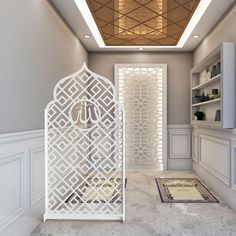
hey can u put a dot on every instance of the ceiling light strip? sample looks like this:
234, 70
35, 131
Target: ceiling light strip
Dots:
197, 15
85, 12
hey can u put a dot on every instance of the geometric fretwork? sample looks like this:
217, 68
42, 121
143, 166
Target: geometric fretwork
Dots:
141, 93
84, 149
142, 22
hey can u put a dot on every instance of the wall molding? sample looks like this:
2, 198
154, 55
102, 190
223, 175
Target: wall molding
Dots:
179, 147
25, 150
179, 141
180, 151
35, 197
217, 142
233, 165
195, 146
6, 160
20, 136
217, 161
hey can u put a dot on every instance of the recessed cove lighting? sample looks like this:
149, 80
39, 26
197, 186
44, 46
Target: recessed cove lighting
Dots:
195, 36
88, 17
87, 36
140, 49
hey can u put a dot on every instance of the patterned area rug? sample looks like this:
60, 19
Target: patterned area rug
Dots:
184, 190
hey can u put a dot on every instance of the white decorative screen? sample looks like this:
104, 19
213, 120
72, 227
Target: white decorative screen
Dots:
84, 150
141, 92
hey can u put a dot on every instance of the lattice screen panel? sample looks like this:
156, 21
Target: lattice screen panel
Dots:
84, 150
142, 22
141, 92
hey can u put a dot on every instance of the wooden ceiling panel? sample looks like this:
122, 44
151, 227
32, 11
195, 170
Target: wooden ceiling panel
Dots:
142, 22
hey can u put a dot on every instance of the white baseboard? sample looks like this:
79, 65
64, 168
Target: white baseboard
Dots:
21, 182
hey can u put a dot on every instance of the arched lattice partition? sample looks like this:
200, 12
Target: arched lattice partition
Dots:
84, 150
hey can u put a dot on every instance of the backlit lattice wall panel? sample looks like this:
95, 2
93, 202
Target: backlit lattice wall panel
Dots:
141, 93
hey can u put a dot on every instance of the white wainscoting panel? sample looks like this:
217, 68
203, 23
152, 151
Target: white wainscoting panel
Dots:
233, 165
214, 155
179, 146
12, 187
217, 160
37, 174
195, 147
21, 181
179, 141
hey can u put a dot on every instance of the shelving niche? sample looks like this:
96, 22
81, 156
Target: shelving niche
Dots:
216, 71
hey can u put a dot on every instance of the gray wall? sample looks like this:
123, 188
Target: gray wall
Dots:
179, 65
36, 50
222, 32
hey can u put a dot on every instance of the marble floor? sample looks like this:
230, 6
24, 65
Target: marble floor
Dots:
146, 215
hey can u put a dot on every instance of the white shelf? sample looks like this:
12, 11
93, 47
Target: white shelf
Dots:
225, 82
207, 83
208, 123
207, 102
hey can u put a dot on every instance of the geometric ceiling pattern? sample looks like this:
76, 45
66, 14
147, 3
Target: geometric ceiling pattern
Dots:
142, 22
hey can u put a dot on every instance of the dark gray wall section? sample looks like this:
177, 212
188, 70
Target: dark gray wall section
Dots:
179, 66
36, 50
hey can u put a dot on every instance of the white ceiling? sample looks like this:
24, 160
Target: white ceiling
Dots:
71, 14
